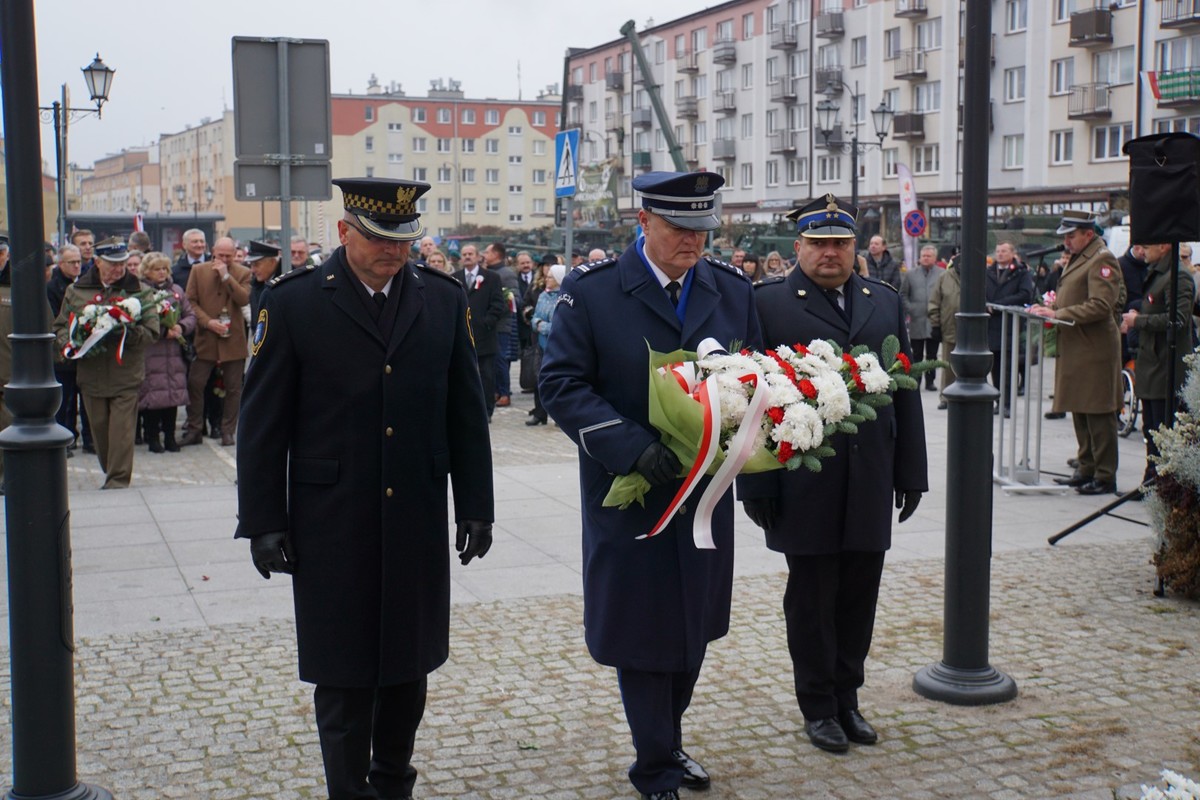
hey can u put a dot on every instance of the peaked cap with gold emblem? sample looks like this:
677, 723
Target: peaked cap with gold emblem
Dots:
825, 218
684, 199
384, 207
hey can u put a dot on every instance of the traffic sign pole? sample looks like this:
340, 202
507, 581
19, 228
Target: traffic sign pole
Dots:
566, 157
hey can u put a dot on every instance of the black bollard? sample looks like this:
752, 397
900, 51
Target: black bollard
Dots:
41, 633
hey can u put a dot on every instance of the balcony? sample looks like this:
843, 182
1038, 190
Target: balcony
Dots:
1179, 88
908, 126
641, 159
829, 80
1091, 27
724, 51
834, 143
724, 102
962, 51
783, 36
687, 107
613, 121
724, 149
911, 8
690, 151
614, 81
910, 65
1179, 13
641, 117
784, 89
574, 94
991, 116
831, 25
1090, 101
687, 62
783, 141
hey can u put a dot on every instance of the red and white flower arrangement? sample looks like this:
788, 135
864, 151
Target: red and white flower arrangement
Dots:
88, 327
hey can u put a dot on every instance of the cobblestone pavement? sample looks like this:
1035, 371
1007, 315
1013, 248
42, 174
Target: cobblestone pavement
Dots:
1107, 677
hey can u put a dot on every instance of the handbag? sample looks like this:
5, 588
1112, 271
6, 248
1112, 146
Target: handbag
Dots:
531, 364
1164, 187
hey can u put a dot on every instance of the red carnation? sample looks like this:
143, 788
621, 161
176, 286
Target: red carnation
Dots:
858, 381
785, 452
801, 349
906, 361
807, 389
776, 414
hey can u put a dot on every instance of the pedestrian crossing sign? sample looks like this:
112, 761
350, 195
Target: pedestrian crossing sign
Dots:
566, 156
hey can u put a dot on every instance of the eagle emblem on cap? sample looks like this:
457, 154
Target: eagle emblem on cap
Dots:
404, 198
701, 183
830, 203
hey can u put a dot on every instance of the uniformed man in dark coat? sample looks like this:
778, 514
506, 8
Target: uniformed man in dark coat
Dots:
361, 397
834, 526
651, 606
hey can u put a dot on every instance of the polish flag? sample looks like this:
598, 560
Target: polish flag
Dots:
1150, 83
139, 222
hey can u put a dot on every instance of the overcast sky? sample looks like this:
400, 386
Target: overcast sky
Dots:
173, 60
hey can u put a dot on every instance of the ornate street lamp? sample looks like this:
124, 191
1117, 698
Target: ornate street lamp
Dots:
828, 124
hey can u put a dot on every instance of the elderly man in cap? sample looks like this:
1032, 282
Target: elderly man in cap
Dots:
262, 258
651, 606
363, 395
110, 373
835, 526
1087, 375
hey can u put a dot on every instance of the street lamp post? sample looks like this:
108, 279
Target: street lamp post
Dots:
98, 76
828, 123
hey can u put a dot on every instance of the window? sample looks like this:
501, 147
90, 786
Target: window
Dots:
747, 176
890, 156
858, 51
1181, 52
1014, 84
539, 176
491, 175
491, 146
491, 117
798, 117
514, 188
747, 126
394, 127
418, 144
369, 144
467, 145
798, 64
592, 72
539, 147
1016, 15
418, 114
492, 205
660, 51
515, 130
929, 34
419, 174
423, 205
445, 145
468, 175
468, 205
747, 76
772, 120
539, 205
747, 26
1178, 124
395, 158
370, 172
1062, 75
468, 116
891, 99
443, 115
797, 171
444, 174
539, 119
444, 206
514, 218
929, 97
1107, 141
772, 71
926, 159
773, 172
1014, 151
1063, 9
1115, 67
829, 169
514, 159
369, 113
891, 44
1062, 147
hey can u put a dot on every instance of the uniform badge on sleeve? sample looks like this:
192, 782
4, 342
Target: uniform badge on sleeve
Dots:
1106, 272
260, 332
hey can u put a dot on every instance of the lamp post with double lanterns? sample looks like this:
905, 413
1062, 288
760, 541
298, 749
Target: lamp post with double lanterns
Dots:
828, 123
181, 194
99, 77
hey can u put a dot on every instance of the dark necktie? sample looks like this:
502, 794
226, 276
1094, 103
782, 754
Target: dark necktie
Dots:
673, 290
380, 300
835, 297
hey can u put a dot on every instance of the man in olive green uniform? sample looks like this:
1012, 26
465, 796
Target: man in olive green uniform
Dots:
1087, 377
109, 384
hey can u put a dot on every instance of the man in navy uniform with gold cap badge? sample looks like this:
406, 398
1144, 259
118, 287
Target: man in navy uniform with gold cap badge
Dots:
362, 397
651, 606
834, 526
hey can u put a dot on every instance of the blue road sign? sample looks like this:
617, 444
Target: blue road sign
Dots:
566, 157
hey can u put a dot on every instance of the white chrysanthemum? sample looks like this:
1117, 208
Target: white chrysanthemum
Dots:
88, 311
104, 323
812, 365
824, 350
833, 400
132, 306
873, 377
801, 427
733, 400
727, 362
781, 392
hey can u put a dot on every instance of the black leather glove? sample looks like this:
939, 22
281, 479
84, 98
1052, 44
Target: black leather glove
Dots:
658, 464
907, 501
473, 538
763, 512
936, 335
272, 552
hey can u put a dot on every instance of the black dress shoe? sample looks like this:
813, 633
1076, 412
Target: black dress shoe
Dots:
1097, 487
89, 448
857, 729
1073, 463
942, 406
827, 734
1076, 480
668, 795
535, 421
1054, 414
694, 775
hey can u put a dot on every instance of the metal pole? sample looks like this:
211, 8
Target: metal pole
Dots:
854, 169
41, 634
285, 150
58, 170
964, 676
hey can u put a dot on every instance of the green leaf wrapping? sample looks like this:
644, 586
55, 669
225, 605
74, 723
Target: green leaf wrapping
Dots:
889, 351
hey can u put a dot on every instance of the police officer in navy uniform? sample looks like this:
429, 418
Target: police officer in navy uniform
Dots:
834, 526
651, 606
361, 398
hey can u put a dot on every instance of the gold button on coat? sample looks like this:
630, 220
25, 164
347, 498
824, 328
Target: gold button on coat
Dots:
389, 431
389, 491
387, 370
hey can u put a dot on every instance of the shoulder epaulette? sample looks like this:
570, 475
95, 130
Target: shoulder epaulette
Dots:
770, 281
287, 276
592, 266
428, 270
716, 262
869, 279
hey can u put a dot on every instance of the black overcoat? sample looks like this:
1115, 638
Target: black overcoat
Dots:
650, 604
486, 301
346, 441
848, 504
1006, 287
